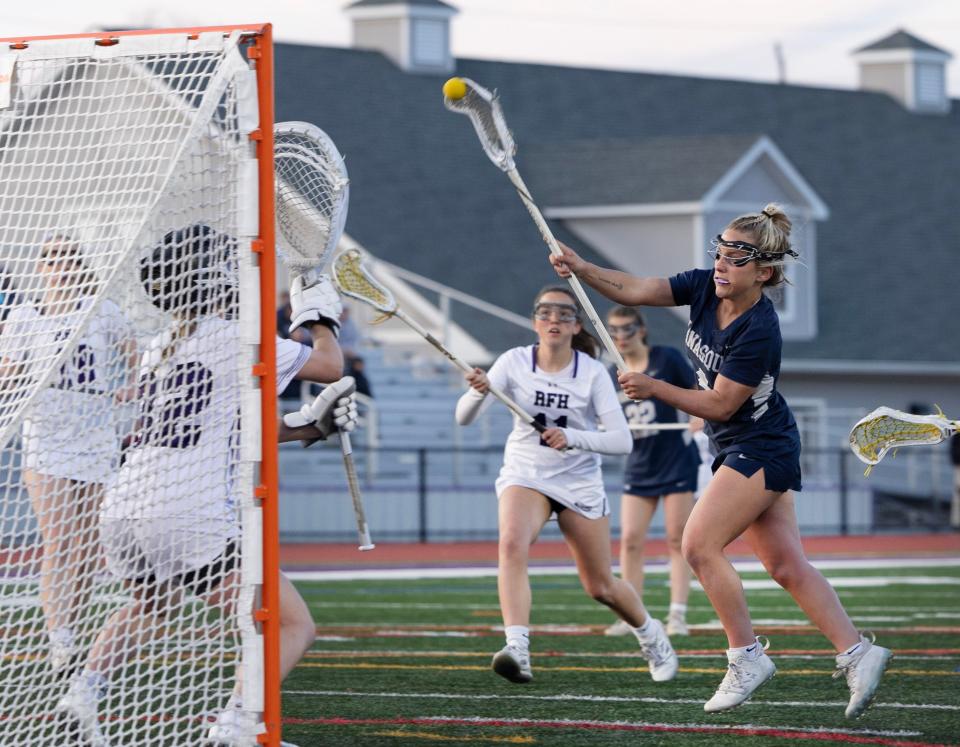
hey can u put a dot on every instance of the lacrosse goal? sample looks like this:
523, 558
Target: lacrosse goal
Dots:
137, 387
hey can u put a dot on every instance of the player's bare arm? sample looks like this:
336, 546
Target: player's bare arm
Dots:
325, 363
10, 371
128, 391
717, 404
617, 286
317, 307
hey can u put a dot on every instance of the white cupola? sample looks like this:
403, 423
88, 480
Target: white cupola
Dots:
415, 34
908, 69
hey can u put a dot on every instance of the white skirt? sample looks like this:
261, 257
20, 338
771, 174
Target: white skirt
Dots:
71, 435
162, 548
585, 496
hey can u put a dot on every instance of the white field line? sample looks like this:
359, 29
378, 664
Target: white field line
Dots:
423, 630
563, 697
758, 584
566, 570
718, 654
915, 614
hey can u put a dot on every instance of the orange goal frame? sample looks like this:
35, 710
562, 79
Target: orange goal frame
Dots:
259, 49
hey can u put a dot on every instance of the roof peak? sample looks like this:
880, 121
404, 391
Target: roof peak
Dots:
902, 39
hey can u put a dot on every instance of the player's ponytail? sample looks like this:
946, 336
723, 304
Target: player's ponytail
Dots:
771, 231
585, 343
582, 340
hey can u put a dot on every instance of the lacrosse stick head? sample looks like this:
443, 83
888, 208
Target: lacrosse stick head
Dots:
311, 191
885, 428
483, 109
353, 279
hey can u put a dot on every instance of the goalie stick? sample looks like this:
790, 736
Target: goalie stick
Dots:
311, 195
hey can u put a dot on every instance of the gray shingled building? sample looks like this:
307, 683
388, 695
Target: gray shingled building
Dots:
639, 171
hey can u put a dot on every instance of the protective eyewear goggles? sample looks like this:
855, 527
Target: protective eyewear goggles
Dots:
753, 252
562, 312
623, 330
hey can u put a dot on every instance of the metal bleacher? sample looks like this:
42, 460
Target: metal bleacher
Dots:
412, 459
424, 478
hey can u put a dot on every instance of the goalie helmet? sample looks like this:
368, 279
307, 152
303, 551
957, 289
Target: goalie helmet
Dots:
191, 271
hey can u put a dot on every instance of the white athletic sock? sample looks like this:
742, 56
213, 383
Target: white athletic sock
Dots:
518, 636
62, 637
853, 649
678, 609
646, 629
752, 652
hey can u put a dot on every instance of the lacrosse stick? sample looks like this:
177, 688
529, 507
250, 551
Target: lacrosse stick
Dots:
354, 484
311, 193
885, 428
353, 279
483, 109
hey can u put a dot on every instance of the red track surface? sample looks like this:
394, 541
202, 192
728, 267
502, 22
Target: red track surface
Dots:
402, 554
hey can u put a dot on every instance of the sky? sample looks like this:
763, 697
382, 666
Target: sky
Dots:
688, 37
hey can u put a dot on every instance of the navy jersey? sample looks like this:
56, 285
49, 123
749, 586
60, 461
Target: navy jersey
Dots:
747, 352
659, 459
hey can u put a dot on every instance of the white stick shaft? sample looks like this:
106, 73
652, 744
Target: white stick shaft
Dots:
354, 484
551, 242
466, 368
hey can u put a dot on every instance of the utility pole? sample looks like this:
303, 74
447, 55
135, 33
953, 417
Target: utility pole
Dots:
781, 63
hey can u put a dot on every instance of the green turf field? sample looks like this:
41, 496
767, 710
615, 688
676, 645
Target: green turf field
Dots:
407, 662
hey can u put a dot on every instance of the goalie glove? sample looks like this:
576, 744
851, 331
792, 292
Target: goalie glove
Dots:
314, 302
335, 408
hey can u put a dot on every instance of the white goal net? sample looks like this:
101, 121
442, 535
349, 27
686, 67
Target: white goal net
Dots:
130, 440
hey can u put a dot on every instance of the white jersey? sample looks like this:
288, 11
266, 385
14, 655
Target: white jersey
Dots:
577, 398
291, 357
173, 491
70, 429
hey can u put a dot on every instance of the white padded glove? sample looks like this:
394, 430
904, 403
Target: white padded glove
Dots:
335, 408
315, 302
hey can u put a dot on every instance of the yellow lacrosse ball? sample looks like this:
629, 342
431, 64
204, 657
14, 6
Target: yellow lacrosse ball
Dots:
455, 89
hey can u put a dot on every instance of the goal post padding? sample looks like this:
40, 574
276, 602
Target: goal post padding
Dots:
131, 420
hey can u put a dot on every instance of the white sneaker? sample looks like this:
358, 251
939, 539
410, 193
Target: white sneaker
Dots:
79, 704
677, 625
234, 726
744, 676
863, 670
656, 649
513, 663
620, 627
